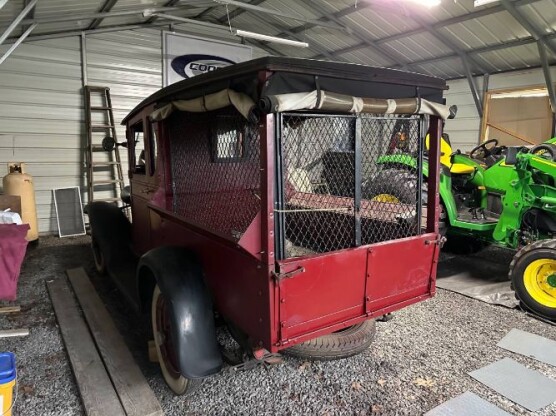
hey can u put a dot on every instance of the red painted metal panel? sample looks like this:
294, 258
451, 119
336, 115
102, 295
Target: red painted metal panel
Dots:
399, 270
237, 281
329, 290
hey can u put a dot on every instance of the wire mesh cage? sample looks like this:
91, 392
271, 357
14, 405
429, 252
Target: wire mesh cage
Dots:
341, 182
215, 170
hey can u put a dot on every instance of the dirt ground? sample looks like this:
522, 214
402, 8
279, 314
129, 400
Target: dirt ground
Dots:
420, 358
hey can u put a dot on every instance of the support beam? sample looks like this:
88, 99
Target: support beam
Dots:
547, 75
169, 3
106, 7
234, 13
89, 16
260, 9
438, 25
454, 20
386, 54
526, 24
262, 45
17, 21
491, 48
472, 85
486, 78
83, 44
17, 43
267, 21
30, 15
466, 59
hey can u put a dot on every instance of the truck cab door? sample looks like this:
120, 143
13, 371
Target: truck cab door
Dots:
142, 159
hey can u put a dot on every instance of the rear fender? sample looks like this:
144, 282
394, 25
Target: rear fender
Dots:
179, 276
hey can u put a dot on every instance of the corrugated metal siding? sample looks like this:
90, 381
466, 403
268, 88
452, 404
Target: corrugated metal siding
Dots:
40, 117
464, 130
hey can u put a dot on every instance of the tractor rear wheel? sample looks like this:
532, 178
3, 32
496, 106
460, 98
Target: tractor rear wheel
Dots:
400, 186
340, 344
533, 275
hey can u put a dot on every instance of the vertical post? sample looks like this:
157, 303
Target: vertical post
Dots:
279, 197
419, 188
84, 80
484, 98
357, 179
435, 131
267, 191
547, 75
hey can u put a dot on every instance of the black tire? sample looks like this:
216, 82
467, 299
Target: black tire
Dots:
341, 344
544, 249
402, 184
178, 383
98, 257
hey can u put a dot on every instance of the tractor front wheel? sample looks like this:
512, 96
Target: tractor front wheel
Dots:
533, 275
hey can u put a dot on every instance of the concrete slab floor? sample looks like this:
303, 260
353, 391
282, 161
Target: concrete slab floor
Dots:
420, 359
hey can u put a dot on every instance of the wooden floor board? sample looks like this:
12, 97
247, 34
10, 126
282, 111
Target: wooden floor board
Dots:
97, 393
135, 394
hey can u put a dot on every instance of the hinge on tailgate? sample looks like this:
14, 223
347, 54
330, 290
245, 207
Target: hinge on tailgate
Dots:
439, 241
281, 276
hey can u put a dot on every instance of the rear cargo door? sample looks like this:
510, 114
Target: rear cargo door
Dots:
400, 272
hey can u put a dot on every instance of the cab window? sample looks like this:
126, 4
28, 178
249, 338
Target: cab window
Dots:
137, 149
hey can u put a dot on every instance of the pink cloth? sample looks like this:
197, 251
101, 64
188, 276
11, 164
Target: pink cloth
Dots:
12, 251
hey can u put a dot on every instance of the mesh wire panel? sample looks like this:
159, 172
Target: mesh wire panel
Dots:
335, 191
215, 170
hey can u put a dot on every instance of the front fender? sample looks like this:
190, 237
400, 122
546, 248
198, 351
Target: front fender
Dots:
179, 276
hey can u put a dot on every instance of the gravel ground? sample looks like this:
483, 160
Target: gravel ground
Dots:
420, 359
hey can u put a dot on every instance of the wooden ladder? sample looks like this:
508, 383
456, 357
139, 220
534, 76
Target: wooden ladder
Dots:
94, 144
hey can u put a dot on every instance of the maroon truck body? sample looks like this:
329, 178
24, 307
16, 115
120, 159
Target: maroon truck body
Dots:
227, 211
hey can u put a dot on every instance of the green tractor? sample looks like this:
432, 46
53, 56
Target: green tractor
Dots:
498, 195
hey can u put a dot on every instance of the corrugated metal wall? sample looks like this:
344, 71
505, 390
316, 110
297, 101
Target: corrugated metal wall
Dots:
464, 129
42, 114
42, 120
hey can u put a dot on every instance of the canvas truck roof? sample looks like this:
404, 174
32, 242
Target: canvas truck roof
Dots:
294, 75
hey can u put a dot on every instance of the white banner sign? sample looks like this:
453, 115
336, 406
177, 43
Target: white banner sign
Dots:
187, 56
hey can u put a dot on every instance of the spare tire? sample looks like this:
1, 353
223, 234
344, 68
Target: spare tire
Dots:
340, 344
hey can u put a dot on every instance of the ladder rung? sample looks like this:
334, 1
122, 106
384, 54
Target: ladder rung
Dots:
101, 108
93, 88
104, 163
106, 182
101, 126
97, 148
107, 199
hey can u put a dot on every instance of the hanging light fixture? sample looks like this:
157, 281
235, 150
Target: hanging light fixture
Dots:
267, 38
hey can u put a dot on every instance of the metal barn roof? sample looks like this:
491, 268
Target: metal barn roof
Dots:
452, 40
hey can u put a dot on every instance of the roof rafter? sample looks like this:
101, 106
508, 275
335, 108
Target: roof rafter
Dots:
371, 44
438, 25
106, 7
526, 24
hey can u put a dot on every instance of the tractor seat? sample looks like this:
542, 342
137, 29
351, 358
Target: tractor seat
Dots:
446, 159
